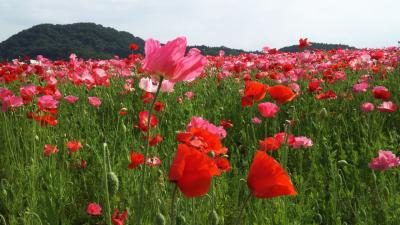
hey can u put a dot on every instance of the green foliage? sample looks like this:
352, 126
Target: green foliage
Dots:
332, 178
315, 46
87, 40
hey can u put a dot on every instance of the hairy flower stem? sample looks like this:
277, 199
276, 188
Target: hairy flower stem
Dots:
239, 219
106, 167
172, 213
146, 152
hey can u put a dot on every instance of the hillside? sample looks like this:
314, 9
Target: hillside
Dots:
87, 40
315, 46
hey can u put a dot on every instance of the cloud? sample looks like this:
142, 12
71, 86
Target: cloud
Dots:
247, 24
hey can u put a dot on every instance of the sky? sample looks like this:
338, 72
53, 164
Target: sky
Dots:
244, 24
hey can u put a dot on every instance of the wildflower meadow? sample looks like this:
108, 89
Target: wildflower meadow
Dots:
177, 137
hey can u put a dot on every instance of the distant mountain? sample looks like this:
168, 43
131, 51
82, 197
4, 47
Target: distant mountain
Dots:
315, 46
87, 40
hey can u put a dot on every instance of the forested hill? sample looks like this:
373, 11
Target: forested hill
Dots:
90, 40
315, 46
87, 40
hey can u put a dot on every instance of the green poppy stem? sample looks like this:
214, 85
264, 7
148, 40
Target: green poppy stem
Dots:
239, 219
173, 203
143, 174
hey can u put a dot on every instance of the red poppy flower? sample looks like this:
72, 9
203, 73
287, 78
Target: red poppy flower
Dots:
223, 164
123, 112
202, 140
313, 86
270, 144
327, 95
254, 91
119, 219
304, 43
159, 106
93, 209
134, 47
155, 140
147, 97
267, 178
280, 137
143, 120
192, 171
136, 160
74, 146
281, 93
49, 149
226, 124
381, 92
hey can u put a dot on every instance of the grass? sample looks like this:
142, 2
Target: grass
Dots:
332, 178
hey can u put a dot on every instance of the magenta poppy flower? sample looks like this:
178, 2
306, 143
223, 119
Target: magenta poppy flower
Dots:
94, 101
256, 120
302, 141
47, 102
268, 109
169, 60
367, 107
360, 87
71, 99
384, 161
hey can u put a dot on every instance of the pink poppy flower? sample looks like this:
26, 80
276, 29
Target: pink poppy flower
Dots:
153, 161
94, 209
367, 107
167, 86
189, 95
71, 99
47, 102
256, 120
387, 107
199, 122
295, 87
148, 85
11, 101
384, 161
94, 101
169, 60
302, 142
360, 87
268, 109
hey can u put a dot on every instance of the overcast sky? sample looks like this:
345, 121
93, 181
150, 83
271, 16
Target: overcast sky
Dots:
245, 24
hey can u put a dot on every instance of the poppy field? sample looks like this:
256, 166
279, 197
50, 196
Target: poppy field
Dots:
175, 137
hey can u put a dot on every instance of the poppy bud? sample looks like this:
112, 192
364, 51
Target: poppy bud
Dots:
213, 217
36, 138
323, 113
211, 154
181, 220
160, 219
124, 128
113, 183
320, 219
343, 162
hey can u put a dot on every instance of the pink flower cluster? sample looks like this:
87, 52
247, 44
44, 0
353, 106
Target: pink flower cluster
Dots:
199, 122
384, 161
